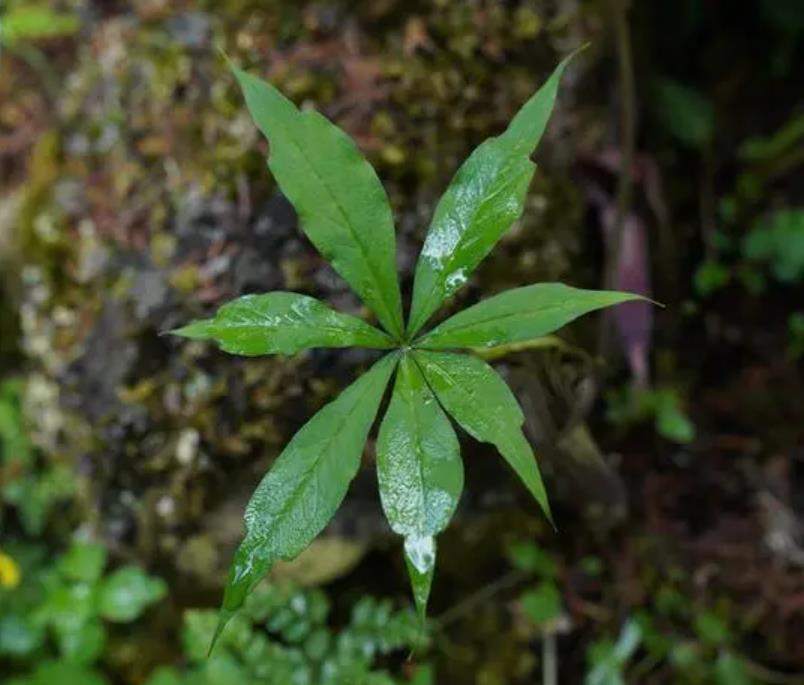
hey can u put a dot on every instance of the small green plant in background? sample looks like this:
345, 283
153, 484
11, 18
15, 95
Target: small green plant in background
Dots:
696, 639
663, 405
24, 22
57, 615
541, 602
608, 660
345, 212
778, 242
282, 636
702, 651
796, 325
671, 631
25, 26
685, 112
756, 242
28, 486
771, 250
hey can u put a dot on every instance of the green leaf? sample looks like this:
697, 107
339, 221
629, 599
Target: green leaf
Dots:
710, 277
306, 485
542, 605
35, 494
610, 660
341, 203
685, 112
731, 670
421, 581
480, 401
711, 628
420, 472
83, 561
35, 23
15, 446
199, 627
484, 198
84, 645
671, 421
68, 607
519, 314
165, 675
424, 675
65, 673
529, 557
282, 323
779, 240
20, 635
126, 593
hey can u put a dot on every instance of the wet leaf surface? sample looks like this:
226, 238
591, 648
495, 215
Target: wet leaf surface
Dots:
518, 315
306, 484
282, 323
342, 204
485, 197
481, 402
420, 472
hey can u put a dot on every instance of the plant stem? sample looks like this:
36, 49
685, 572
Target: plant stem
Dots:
549, 660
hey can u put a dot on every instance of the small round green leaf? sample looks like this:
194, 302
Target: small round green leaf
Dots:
83, 561
127, 592
19, 635
85, 644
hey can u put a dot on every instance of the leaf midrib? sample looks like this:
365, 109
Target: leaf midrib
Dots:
435, 333
419, 459
350, 227
451, 259
498, 442
308, 472
262, 328
470, 391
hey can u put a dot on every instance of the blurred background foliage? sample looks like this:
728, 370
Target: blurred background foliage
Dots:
134, 197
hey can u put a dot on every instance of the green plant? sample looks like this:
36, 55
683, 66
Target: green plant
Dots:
671, 631
345, 213
31, 22
662, 404
674, 631
541, 603
282, 636
772, 247
57, 617
778, 241
28, 485
703, 652
685, 112
608, 660
796, 326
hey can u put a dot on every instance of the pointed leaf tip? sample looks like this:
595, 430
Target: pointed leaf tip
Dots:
224, 617
282, 323
420, 554
194, 331
481, 203
465, 387
420, 473
343, 207
222, 52
306, 484
583, 47
520, 314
